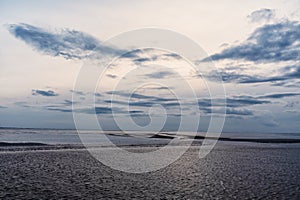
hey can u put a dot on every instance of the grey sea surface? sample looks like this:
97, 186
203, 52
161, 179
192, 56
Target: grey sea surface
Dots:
54, 137
232, 170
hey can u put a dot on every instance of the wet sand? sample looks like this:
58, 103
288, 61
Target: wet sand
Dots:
230, 171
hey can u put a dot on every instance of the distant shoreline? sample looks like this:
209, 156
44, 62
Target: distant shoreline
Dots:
162, 131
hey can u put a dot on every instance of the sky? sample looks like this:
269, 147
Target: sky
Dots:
249, 48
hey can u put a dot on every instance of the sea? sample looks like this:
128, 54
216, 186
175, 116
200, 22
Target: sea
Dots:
55, 136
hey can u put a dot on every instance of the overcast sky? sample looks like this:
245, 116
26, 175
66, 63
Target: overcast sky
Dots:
253, 45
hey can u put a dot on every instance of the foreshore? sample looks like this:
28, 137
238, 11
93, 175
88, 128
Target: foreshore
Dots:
231, 171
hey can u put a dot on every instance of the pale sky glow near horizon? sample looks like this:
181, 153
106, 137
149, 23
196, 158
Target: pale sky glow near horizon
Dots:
253, 45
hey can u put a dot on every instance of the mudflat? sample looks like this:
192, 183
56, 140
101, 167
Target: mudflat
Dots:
231, 171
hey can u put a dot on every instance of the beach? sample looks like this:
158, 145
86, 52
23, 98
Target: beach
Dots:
232, 170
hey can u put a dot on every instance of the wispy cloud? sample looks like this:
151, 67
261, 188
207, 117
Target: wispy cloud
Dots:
160, 74
96, 110
139, 96
229, 111
46, 93
279, 95
233, 102
287, 73
81, 93
263, 14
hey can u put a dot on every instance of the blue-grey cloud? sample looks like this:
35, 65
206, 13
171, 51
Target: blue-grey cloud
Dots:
152, 103
234, 106
2, 107
69, 102
72, 44
143, 103
269, 43
229, 111
173, 55
65, 110
111, 76
22, 104
233, 102
81, 93
99, 110
287, 74
97, 94
66, 43
278, 95
46, 93
263, 14
141, 60
160, 74
140, 96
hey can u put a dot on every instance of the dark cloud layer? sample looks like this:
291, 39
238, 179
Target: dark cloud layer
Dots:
269, 43
46, 93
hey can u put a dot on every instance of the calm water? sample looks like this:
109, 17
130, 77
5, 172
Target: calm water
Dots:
71, 136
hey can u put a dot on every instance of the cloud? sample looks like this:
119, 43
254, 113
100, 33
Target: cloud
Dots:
266, 118
97, 110
65, 110
69, 102
111, 76
66, 43
229, 111
72, 44
3, 107
263, 14
173, 55
160, 74
143, 103
22, 104
232, 102
141, 60
97, 94
78, 92
270, 123
242, 100
232, 111
139, 96
268, 43
279, 95
151, 103
159, 88
292, 71
287, 74
48, 93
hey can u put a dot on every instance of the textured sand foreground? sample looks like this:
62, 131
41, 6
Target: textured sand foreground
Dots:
230, 171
